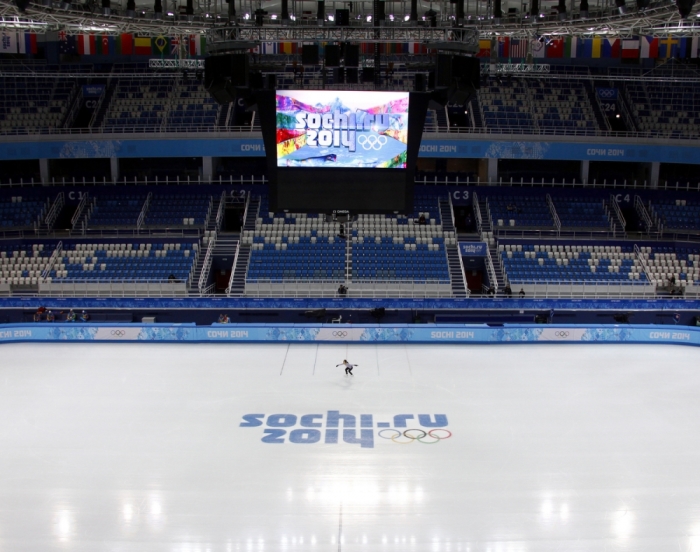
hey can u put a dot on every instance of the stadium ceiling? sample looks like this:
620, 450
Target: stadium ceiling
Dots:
660, 18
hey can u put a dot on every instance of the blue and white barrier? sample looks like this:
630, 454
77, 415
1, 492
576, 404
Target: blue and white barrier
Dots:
346, 333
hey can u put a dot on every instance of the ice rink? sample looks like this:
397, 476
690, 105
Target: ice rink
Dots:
503, 448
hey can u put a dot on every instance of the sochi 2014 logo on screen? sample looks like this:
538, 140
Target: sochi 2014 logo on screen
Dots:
342, 129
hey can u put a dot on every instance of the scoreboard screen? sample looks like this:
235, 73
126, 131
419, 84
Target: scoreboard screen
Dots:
341, 129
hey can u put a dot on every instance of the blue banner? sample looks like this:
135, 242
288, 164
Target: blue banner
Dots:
347, 333
93, 90
472, 249
606, 93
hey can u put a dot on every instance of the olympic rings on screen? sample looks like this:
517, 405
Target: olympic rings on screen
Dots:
371, 141
561, 334
118, 333
437, 437
340, 334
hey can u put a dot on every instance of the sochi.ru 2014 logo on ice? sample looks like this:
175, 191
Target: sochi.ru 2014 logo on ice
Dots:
333, 428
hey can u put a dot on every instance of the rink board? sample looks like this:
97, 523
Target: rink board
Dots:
352, 333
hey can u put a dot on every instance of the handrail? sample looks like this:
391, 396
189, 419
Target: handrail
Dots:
490, 269
447, 118
642, 212
79, 210
55, 209
233, 267
477, 211
206, 265
553, 211
452, 212
220, 212
642, 261
144, 210
52, 260
618, 212
245, 210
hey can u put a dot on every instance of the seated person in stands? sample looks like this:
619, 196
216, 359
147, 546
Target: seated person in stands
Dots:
507, 291
491, 291
341, 232
421, 220
84, 316
342, 290
50, 317
172, 278
70, 317
521, 292
511, 207
224, 319
37, 316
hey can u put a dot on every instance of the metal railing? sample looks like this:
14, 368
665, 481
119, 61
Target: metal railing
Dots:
329, 289
584, 289
642, 261
220, 211
477, 212
52, 261
553, 211
642, 213
233, 266
490, 270
618, 212
208, 258
144, 210
55, 210
79, 210
75, 287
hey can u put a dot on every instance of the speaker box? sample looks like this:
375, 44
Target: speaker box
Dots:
419, 82
271, 81
222, 74
338, 75
309, 54
342, 17
255, 79
368, 74
466, 71
352, 55
351, 75
332, 55
443, 71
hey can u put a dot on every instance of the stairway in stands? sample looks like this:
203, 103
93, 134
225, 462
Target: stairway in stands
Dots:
454, 261
237, 285
199, 261
487, 236
443, 125
212, 225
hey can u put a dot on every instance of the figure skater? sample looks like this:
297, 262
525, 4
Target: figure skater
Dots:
348, 367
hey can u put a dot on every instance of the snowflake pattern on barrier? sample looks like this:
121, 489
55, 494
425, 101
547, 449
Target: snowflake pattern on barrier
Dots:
164, 334
292, 334
73, 334
516, 334
517, 150
607, 334
90, 149
386, 334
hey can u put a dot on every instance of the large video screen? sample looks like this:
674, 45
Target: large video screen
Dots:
342, 129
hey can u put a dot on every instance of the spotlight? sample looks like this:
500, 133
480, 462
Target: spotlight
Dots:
407, 18
369, 19
331, 18
620, 6
684, 7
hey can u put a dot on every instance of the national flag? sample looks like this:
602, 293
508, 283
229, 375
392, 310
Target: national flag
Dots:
630, 48
584, 48
175, 46
571, 46
142, 46
8, 42
538, 48
161, 44
666, 46
66, 44
649, 47
682, 50
596, 48
503, 46
106, 45
86, 45
26, 42
126, 44
197, 45
694, 47
484, 48
269, 47
555, 48
611, 48
518, 47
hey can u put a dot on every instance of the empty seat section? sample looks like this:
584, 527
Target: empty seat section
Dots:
581, 213
522, 211
167, 210
23, 264
21, 212
679, 214
114, 211
679, 265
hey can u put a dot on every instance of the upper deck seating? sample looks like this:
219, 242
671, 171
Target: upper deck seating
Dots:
668, 109
581, 213
167, 210
678, 214
19, 212
116, 210
529, 211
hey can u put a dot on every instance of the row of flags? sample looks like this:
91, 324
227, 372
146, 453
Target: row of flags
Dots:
642, 47
91, 45
365, 48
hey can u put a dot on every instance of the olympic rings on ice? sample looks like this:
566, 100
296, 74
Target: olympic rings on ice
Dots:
371, 141
411, 436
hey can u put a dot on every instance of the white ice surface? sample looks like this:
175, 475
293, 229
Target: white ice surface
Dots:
555, 448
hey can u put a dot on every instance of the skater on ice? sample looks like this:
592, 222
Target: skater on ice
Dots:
348, 367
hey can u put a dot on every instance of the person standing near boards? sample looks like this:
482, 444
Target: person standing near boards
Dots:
348, 367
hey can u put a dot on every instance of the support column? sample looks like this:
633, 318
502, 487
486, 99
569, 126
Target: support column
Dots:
207, 168
44, 171
492, 170
114, 168
585, 166
654, 174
